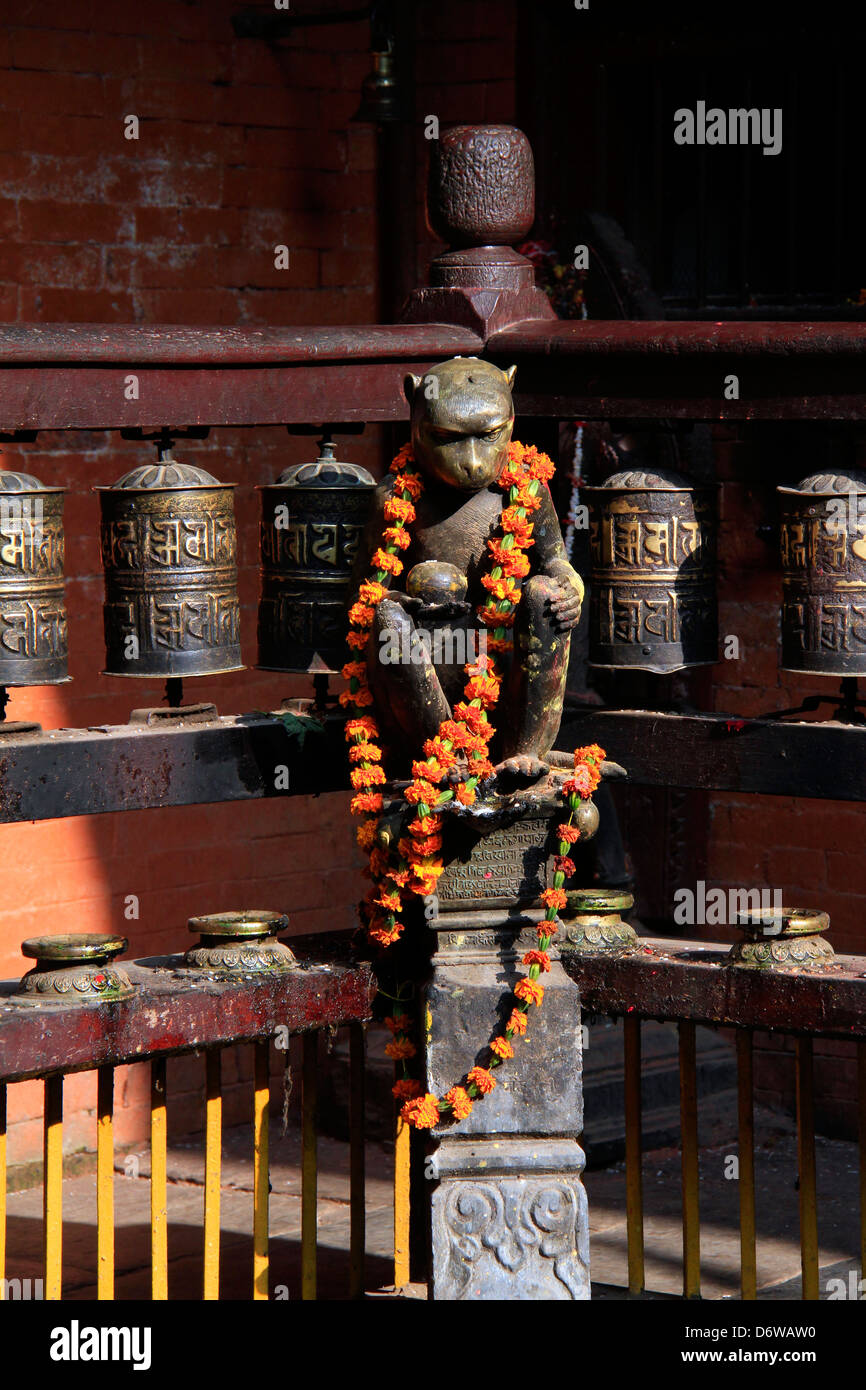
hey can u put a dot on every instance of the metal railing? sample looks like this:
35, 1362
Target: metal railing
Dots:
690, 984
169, 1018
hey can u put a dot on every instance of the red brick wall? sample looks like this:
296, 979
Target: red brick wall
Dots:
242, 146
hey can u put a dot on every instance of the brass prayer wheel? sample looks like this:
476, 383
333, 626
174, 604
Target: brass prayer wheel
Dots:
653, 572
33, 632
169, 551
823, 541
312, 519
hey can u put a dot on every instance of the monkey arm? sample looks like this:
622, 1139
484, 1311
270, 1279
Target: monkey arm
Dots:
550, 558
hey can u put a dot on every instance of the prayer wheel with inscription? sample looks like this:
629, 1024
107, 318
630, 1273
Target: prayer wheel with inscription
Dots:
653, 572
169, 552
823, 540
33, 634
312, 519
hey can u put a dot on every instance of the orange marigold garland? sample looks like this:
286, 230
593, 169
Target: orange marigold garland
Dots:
417, 865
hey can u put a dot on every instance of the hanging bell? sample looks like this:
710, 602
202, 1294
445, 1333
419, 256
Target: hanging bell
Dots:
33, 635
823, 542
312, 519
653, 572
169, 552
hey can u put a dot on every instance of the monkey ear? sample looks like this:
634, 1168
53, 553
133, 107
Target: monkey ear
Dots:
410, 386
509, 376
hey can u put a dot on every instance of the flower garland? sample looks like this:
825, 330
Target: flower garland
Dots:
417, 864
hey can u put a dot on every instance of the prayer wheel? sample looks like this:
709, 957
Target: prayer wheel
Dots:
823, 542
33, 634
169, 552
653, 572
312, 519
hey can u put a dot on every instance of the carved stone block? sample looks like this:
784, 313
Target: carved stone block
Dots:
510, 1221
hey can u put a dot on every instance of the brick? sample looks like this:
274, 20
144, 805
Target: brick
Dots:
204, 24
162, 185
797, 869
254, 267
76, 306
50, 93
348, 268
10, 131
358, 231
847, 871
211, 227
74, 267
307, 307
153, 97
158, 224
266, 106
97, 53
269, 226
189, 142
189, 306
293, 149
75, 14
64, 180
173, 59
44, 221
500, 102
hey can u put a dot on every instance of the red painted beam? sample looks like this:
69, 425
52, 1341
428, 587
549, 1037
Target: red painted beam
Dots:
77, 376
174, 1013
594, 369
673, 980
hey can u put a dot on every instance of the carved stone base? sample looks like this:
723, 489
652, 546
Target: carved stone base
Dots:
508, 1210
510, 1221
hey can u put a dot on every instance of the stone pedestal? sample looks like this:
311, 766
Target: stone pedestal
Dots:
508, 1209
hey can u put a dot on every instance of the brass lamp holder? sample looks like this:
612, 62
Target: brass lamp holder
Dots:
239, 944
74, 968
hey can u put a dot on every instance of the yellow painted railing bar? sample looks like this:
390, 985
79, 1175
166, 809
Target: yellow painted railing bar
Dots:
261, 1104
105, 1183
633, 1155
746, 1146
357, 1196
212, 1165
158, 1174
52, 1187
689, 1149
309, 1174
402, 1157
2, 1189
861, 1112
806, 1154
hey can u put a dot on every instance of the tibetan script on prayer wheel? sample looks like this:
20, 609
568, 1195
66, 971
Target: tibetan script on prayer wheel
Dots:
823, 544
33, 634
312, 520
653, 578
169, 556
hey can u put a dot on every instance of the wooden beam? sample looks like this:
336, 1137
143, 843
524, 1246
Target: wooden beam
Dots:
722, 753
674, 980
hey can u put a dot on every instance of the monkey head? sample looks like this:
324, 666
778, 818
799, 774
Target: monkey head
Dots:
462, 417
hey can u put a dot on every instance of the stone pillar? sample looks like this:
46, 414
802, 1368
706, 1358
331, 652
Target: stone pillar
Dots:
508, 1208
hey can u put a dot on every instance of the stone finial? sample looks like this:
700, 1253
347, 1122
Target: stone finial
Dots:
481, 186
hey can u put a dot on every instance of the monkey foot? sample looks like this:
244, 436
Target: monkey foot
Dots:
524, 767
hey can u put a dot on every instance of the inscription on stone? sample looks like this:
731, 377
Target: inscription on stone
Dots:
508, 864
